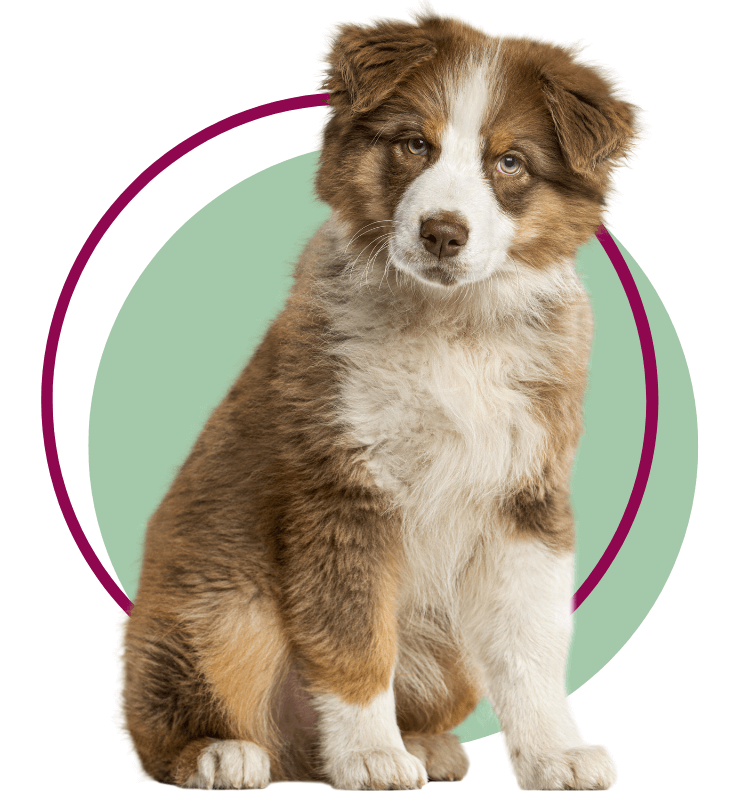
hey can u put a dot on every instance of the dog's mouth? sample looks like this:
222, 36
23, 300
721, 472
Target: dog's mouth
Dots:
445, 273
441, 272
441, 275
444, 254
426, 268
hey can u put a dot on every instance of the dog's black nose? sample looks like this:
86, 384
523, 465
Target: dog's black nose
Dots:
442, 237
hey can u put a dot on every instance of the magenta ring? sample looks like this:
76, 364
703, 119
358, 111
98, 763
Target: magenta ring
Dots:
177, 152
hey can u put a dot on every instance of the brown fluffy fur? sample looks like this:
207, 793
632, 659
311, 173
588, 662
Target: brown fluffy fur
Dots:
272, 569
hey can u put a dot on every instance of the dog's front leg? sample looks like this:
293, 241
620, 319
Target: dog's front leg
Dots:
341, 611
525, 648
362, 746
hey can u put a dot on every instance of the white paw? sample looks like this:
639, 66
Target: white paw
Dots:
584, 767
379, 768
231, 764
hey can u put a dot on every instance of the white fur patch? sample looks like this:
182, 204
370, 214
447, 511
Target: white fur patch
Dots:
456, 184
581, 768
447, 432
362, 745
231, 764
517, 614
517, 621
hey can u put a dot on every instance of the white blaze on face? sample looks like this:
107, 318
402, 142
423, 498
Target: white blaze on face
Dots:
456, 184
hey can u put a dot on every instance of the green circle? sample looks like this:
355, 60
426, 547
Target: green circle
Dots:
202, 305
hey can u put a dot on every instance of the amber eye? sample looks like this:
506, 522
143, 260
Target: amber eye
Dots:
509, 165
417, 146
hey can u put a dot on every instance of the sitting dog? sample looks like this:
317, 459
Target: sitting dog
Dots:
373, 530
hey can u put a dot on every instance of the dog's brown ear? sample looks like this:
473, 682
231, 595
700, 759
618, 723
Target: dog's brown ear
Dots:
592, 125
366, 63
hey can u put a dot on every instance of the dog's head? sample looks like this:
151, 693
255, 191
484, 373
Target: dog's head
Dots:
460, 155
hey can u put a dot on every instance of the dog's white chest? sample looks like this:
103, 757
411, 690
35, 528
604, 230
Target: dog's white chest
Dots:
446, 430
445, 424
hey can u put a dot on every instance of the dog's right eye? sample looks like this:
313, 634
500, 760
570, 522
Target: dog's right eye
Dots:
417, 146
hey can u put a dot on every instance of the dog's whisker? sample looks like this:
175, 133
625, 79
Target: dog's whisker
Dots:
381, 242
371, 244
376, 223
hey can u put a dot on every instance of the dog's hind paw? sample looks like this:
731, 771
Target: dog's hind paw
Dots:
229, 764
441, 754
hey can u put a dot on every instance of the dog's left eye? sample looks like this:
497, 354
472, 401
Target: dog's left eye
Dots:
417, 146
509, 165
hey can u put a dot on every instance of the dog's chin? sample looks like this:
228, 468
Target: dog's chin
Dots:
446, 274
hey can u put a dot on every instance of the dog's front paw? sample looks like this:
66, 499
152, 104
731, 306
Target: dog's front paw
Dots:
379, 768
584, 767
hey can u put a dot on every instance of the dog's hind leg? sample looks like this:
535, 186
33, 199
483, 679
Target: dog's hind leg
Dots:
200, 689
436, 688
441, 754
222, 764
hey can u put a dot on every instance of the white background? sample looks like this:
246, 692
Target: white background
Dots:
93, 93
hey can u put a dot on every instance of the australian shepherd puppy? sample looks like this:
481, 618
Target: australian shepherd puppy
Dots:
373, 530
